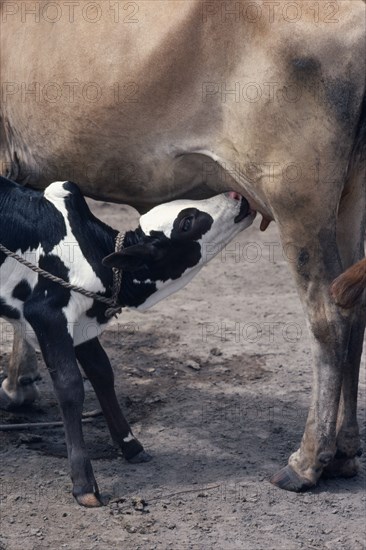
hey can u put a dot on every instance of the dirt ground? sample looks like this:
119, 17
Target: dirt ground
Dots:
216, 383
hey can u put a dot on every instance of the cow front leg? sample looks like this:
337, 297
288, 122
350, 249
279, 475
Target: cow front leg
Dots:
97, 367
315, 262
19, 387
58, 351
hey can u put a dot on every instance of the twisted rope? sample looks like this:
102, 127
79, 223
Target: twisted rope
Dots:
117, 279
86, 417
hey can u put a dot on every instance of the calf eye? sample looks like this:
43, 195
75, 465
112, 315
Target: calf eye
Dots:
186, 223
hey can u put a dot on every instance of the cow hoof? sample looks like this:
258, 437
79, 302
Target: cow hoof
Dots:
342, 467
89, 500
289, 480
142, 456
25, 395
6, 403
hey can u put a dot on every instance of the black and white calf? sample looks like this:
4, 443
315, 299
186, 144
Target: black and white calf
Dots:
56, 231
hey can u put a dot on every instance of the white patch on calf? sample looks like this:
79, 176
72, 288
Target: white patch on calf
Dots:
11, 273
128, 438
85, 328
162, 217
68, 250
166, 288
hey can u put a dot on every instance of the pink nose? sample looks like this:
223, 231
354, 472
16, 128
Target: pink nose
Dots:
235, 195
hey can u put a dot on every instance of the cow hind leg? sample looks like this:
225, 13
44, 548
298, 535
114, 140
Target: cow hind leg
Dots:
19, 387
351, 227
97, 367
345, 462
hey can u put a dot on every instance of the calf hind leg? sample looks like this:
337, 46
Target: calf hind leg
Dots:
97, 367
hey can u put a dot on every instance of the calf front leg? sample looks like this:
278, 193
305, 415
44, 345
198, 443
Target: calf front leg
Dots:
97, 367
58, 351
19, 387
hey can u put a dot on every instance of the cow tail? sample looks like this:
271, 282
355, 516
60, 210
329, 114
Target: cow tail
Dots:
348, 287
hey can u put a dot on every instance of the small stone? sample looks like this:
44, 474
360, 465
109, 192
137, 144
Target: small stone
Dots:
192, 364
154, 399
139, 504
216, 352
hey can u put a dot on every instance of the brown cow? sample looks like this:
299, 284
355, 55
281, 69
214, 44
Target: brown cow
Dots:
145, 102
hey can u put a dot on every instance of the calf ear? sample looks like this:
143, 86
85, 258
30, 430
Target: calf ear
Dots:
132, 258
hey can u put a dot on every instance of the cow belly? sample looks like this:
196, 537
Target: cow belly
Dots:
128, 134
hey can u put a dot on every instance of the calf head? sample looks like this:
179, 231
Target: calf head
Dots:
173, 242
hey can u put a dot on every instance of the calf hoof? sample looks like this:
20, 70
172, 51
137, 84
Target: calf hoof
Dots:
142, 456
89, 500
133, 451
289, 480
